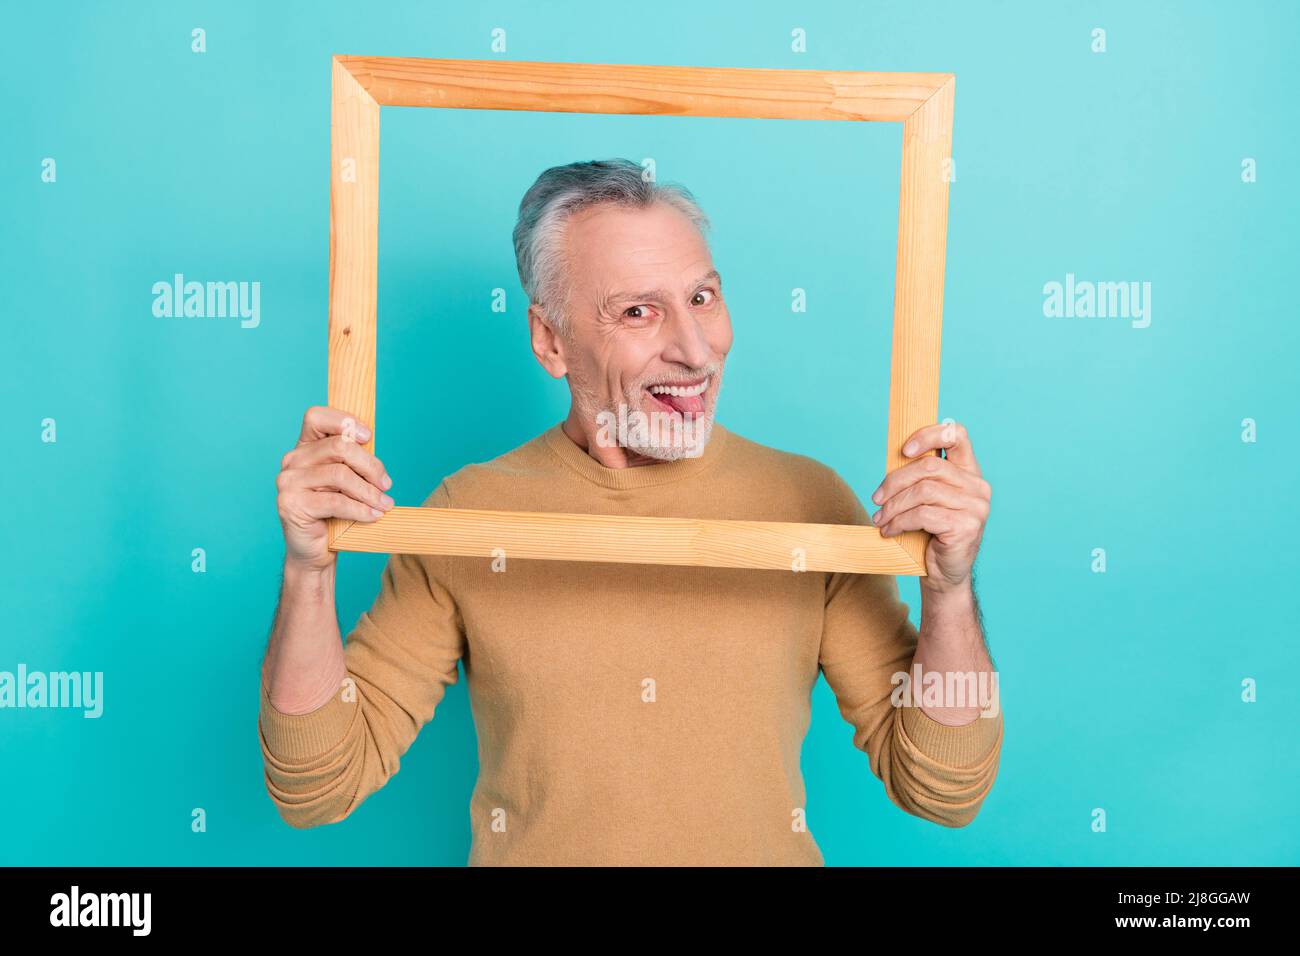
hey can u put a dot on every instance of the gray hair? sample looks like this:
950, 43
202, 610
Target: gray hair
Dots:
558, 194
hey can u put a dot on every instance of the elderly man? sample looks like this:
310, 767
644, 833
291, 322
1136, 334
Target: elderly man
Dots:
629, 714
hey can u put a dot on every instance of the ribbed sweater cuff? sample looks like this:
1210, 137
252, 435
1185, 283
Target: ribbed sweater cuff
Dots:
302, 736
963, 746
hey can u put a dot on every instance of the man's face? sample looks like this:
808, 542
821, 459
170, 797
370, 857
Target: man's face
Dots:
648, 329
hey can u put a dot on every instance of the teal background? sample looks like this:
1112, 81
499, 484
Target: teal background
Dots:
1121, 690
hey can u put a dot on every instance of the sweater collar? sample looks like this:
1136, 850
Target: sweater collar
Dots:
637, 476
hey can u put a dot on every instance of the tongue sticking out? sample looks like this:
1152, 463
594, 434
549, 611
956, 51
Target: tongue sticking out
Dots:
685, 404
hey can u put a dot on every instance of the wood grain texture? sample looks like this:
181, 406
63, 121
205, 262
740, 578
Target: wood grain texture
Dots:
641, 90
354, 254
630, 539
923, 102
918, 283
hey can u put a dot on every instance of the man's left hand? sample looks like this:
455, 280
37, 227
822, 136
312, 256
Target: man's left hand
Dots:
945, 496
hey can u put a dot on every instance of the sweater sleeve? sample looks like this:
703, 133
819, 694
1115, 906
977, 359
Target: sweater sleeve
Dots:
401, 657
931, 770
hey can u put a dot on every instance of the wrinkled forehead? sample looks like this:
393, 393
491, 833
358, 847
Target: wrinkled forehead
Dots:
627, 252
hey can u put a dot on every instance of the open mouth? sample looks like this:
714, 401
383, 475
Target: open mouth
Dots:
684, 398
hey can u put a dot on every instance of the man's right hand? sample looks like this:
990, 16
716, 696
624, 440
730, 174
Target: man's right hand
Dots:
327, 475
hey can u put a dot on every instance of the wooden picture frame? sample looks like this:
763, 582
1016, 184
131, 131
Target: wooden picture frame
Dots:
922, 102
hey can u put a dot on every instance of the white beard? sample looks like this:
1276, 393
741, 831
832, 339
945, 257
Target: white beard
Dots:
665, 436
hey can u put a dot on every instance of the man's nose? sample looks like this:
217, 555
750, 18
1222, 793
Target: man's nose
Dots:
687, 343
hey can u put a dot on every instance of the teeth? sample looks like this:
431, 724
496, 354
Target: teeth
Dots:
679, 390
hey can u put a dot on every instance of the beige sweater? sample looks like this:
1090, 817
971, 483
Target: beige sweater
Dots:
632, 714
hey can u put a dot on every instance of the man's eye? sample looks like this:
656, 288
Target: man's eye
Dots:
708, 292
635, 308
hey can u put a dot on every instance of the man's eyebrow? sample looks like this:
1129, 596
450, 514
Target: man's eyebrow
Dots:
659, 294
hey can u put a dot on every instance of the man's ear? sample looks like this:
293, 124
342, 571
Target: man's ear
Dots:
547, 345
